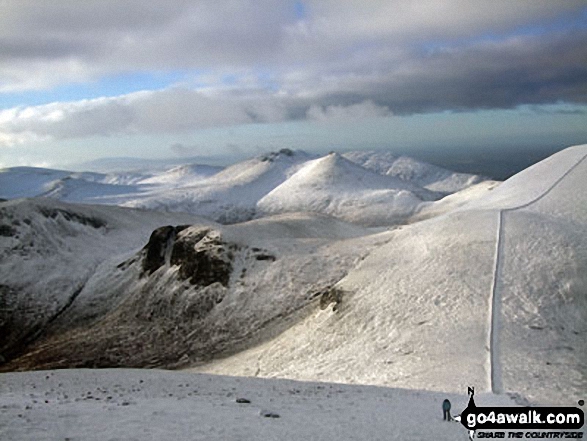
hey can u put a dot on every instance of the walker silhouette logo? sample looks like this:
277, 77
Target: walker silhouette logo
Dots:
521, 418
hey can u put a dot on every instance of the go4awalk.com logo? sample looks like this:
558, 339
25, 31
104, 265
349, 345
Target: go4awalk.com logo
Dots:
521, 422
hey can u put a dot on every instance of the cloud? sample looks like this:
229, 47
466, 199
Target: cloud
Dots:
101, 37
564, 109
338, 60
488, 74
423, 20
352, 112
166, 111
46, 43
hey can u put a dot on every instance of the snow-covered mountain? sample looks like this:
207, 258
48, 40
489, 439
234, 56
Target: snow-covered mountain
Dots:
425, 175
340, 188
24, 182
372, 190
230, 195
71, 189
48, 252
86, 187
489, 294
196, 288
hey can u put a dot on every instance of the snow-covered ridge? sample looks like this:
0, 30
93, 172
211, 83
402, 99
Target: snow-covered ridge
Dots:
425, 175
231, 195
373, 189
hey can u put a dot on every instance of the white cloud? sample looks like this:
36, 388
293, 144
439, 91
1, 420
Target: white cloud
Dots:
147, 112
21, 75
165, 111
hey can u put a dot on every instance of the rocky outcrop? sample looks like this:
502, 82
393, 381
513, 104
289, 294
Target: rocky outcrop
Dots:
203, 258
156, 249
200, 254
54, 213
329, 296
270, 157
7, 231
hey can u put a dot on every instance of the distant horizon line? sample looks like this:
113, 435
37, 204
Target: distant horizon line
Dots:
482, 161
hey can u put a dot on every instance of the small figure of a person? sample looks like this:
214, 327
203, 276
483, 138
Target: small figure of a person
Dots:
446, 410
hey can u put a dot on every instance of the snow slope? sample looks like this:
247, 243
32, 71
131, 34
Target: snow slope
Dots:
453, 201
183, 175
21, 182
49, 250
540, 278
425, 175
154, 405
338, 187
26, 182
491, 295
413, 314
231, 195
192, 292
70, 189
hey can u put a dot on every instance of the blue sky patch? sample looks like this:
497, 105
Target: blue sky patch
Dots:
113, 85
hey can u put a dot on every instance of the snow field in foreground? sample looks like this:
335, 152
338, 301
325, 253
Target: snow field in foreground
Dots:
111, 404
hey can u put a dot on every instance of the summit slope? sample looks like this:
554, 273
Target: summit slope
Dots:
335, 186
420, 173
230, 195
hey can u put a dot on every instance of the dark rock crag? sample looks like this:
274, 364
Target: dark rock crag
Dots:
200, 254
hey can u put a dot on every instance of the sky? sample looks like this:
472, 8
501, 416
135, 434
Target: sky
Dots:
84, 80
